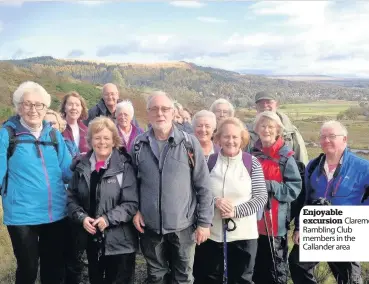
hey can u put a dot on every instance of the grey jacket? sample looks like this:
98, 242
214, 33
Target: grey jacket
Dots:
291, 136
172, 197
116, 196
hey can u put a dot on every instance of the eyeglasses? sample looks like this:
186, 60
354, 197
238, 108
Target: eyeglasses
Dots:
330, 136
29, 106
221, 111
157, 109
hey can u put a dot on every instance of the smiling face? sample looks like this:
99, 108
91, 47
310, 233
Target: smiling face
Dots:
161, 113
124, 118
110, 95
266, 104
32, 109
332, 140
267, 129
102, 144
230, 139
203, 129
222, 111
73, 108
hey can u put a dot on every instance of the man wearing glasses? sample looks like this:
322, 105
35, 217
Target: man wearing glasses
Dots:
175, 201
336, 177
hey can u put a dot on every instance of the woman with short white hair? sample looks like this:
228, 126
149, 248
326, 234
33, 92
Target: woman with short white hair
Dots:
126, 129
222, 109
32, 175
204, 123
284, 185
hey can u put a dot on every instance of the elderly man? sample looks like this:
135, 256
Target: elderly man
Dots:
107, 104
268, 101
176, 205
222, 109
330, 180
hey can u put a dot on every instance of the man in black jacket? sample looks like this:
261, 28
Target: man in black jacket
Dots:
107, 104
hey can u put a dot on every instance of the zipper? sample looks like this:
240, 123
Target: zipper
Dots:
225, 174
160, 190
47, 182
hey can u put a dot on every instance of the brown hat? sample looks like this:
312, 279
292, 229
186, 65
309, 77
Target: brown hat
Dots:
265, 96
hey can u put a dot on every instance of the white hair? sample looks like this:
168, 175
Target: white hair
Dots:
32, 88
222, 101
269, 115
155, 94
127, 105
178, 106
334, 124
205, 113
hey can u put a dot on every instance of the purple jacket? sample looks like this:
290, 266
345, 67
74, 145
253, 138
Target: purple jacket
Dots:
68, 135
135, 132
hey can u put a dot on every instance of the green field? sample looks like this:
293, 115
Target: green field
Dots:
315, 109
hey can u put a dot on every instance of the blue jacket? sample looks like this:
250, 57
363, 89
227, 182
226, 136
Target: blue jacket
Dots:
347, 188
35, 193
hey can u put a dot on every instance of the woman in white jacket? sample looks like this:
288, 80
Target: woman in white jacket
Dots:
239, 190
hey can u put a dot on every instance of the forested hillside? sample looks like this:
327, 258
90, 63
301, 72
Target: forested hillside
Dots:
189, 83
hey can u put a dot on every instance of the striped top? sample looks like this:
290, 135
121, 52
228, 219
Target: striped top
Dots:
259, 192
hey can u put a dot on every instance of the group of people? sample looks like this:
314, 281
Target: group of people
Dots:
205, 198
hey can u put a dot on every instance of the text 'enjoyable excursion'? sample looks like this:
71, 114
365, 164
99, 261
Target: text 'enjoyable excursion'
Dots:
334, 233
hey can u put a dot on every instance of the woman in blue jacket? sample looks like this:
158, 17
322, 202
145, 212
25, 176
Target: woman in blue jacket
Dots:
34, 166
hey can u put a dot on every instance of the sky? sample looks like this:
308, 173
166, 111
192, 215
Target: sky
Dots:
264, 37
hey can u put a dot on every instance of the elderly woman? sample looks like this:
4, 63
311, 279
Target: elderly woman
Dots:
222, 109
284, 184
59, 124
34, 165
74, 111
239, 190
204, 124
187, 115
102, 199
126, 129
336, 177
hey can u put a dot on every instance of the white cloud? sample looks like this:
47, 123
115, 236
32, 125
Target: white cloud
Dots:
187, 4
211, 20
1, 27
92, 3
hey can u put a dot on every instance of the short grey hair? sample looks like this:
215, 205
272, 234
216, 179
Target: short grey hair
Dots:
222, 101
157, 94
125, 104
33, 88
205, 113
334, 124
269, 115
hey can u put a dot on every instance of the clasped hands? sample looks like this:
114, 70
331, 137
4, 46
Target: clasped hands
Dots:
227, 210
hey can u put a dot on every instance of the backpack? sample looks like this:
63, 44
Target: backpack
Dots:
14, 141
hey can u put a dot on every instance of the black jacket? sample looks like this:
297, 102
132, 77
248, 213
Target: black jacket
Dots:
101, 110
116, 200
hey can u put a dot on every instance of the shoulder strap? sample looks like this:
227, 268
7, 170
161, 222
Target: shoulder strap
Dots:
212, 161
54, 141
12, 141
314, 164
189, 149
247, 161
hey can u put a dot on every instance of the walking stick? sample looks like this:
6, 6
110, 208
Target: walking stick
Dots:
226, 228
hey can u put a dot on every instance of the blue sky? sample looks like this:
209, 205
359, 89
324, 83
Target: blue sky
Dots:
281, 37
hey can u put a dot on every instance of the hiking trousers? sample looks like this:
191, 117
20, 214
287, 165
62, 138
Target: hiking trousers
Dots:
102, 269
264, 266
209, 262
302, 272
169, 257
34, 243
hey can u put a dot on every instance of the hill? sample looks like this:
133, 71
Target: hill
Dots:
11, 76
190, 83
